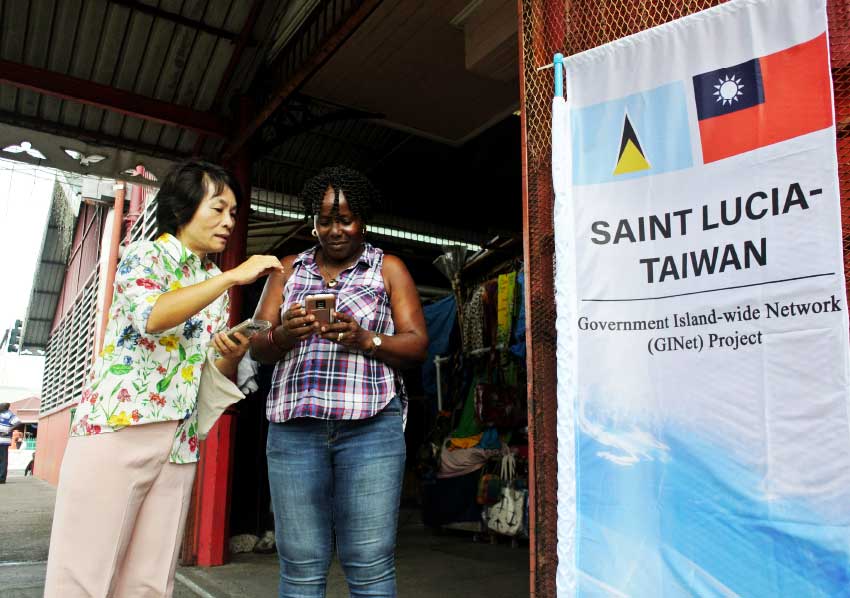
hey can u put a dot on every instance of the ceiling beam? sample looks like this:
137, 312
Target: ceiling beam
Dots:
177, 18
285, 88
110, 98
276, 133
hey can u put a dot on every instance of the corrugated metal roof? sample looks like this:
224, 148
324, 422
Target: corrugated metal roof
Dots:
50, 271
27, 409
111, 43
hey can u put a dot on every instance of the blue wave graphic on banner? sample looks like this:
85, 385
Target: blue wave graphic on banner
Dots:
694, 522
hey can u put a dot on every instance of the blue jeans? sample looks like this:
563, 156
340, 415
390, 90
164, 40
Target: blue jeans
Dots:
337, 479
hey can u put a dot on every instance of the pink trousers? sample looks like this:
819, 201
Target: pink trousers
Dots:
119, 517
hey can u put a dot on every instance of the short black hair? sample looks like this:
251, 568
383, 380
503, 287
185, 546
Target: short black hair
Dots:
184, 187
4, 407
361, 195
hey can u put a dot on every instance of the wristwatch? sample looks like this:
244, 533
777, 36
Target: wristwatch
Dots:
376, 344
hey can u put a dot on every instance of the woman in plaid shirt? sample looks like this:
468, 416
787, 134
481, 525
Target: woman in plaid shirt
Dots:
337, 403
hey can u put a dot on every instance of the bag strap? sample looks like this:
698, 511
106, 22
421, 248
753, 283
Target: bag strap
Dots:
508, 467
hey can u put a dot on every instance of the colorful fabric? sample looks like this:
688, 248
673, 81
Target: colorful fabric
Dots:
490, 439
518, 348
473, 321
322, 379
8, 420
491, 312
468, 424
440, 318
457, 462
140, 377
506, 303
465, 443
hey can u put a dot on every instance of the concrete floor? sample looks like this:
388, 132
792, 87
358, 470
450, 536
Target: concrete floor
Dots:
429, 565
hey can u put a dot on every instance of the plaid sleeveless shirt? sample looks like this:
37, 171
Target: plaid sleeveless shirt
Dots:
321, 379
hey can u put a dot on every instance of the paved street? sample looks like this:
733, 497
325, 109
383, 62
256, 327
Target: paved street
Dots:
26, 514
429, 566
26, 508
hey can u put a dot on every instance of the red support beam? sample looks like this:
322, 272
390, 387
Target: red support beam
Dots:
110, 98
328, 47
215, 471
120, 189
211, 518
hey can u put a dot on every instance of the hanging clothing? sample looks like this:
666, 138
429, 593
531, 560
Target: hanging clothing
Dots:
440, 318
491, 312
473, 321
506, 304
468, 425
518, 346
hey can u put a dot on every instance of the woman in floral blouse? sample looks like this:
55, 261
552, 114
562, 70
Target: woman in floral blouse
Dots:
129, 465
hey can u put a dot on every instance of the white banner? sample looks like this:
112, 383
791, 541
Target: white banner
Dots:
704, 439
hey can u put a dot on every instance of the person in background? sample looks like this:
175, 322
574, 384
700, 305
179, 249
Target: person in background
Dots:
336, 439
8, 422
128, 469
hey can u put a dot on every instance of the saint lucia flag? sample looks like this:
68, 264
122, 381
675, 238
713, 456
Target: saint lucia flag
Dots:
642, 134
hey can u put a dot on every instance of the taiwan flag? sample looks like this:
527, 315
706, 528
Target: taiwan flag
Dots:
764, 101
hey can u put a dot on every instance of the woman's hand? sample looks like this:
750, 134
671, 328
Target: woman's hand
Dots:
253, 268
297, 325
231, 352
347, 332
228, 349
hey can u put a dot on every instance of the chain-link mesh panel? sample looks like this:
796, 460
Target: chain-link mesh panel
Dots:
838, 12
569, 27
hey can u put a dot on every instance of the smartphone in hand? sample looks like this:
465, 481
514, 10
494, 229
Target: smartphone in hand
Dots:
249, 328
322, 307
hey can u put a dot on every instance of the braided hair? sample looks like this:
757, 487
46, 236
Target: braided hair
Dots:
361, 195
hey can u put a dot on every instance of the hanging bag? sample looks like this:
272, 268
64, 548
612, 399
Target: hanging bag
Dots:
506, 516
496, 403
489, 485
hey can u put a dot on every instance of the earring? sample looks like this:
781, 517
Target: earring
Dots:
315, 233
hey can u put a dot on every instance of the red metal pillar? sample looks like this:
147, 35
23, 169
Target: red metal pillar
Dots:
215, 471
137, 205
541, 31
111, 263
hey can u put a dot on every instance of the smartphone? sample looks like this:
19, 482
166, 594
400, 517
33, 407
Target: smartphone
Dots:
321, 306
249, 328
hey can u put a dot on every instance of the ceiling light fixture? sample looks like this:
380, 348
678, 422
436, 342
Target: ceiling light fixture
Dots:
25, 147
82, 158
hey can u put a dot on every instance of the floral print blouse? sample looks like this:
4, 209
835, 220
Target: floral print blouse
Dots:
142, 378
